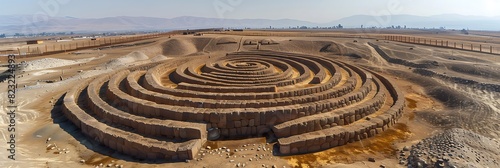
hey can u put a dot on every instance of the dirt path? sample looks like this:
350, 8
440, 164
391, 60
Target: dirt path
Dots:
377, 60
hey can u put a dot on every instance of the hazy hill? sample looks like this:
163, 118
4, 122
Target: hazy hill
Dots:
14, 24
25, 24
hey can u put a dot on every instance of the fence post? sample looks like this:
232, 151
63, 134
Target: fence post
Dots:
19, 51
471, 47
462, 46
480, 48
454, 44
27, 52
491, 49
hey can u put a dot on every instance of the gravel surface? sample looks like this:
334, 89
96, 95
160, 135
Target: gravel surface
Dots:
453, 148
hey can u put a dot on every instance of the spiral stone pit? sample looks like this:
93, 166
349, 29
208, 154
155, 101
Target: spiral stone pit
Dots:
309, 103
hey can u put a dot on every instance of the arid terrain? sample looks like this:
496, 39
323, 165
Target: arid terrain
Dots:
450, 116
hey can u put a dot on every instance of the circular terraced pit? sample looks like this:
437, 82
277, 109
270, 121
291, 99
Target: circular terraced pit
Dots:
309, 103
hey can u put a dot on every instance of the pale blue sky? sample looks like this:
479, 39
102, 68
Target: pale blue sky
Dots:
319, 11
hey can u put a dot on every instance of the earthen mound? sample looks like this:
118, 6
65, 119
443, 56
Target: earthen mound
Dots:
178, 47
226, 40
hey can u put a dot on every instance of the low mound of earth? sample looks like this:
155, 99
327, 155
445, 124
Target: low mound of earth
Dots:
178, 47
226, 40
130, 58
454, 148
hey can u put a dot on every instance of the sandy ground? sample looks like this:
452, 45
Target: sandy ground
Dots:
444, 89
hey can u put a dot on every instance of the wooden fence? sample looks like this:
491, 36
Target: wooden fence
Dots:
483, 48
68, 46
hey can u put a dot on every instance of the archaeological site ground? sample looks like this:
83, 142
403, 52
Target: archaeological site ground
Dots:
259, 98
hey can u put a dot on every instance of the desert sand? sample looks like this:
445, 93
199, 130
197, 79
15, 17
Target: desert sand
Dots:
450, 115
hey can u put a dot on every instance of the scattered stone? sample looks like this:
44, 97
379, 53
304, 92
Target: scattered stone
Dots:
406, 148
371, 159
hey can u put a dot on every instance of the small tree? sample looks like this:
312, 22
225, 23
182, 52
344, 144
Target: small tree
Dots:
2, 36
465, 31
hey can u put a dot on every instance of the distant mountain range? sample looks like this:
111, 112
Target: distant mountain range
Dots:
36, 24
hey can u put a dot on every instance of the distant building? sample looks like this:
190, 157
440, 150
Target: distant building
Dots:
34, 42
